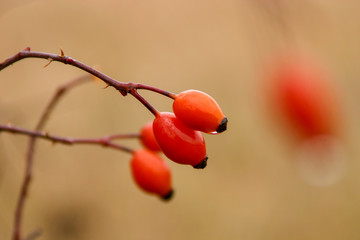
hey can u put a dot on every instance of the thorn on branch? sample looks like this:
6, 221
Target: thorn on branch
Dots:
50, 61
107, 85
62, 53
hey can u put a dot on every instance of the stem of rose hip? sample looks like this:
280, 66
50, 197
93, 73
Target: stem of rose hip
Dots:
144, 102
154, 89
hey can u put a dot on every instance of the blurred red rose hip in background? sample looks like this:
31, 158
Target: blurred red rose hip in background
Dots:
304, 97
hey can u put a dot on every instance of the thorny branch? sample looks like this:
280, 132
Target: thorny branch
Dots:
102, 141
124, 88
30, 153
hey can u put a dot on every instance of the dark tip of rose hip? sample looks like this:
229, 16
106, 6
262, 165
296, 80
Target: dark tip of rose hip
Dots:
168, 196
222, 125
202, 164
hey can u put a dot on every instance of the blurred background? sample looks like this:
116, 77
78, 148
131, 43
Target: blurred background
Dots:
251, 188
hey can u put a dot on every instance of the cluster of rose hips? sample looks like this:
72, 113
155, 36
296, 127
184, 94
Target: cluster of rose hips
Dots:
179, 136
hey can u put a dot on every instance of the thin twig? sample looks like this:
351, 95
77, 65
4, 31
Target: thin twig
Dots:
58, 94
144, 102
122, 136
102, 141
30, 152
154, 89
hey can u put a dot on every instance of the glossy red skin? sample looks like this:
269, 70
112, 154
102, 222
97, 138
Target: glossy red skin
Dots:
178, 142
151, 173
305, 98
198, 111
148, 139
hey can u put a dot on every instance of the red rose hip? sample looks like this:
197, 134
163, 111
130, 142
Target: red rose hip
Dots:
304, 97
151, 173
178, 142
147, 137
199, 111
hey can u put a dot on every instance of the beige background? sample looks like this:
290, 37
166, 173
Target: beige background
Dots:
250, 189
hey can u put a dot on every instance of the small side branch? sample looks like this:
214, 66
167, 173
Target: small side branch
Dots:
29, 161
154, 89
144, 102
101, 141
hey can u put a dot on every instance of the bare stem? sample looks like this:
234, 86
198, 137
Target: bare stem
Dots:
30, 153
58, 94
157, 90
144, 102
101, 141
122, 136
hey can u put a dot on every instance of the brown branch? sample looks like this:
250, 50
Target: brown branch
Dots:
102, 141
124, 88
135, 93
154, 89
122, 136
105, 141
58, 94
30, 153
